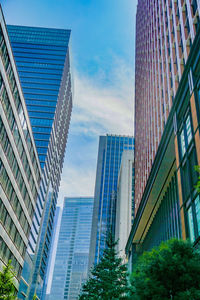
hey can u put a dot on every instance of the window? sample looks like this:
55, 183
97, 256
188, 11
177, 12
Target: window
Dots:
194, 6
193, 214
191, 224
185, 135
13, 231
188, 158
197, 211
188, 130
11, 120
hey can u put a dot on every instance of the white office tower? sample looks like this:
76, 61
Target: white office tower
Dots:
125, 201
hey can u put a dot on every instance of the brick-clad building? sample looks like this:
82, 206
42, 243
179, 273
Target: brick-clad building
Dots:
167, 116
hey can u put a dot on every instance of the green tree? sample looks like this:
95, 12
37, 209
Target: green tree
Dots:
108, 280
7, 288
171, 271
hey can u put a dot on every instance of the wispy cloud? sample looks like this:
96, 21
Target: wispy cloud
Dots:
102, 105
77, 183
105, 102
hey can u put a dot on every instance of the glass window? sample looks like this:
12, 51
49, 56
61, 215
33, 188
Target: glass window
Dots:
28, 140
197, 210
40, 46
13, 231
16, 237
20, 147
42, 157
41, 90
29, 76
186, 134
4, 179
183, 149
14, 201
41, 143
41, 102
16, 134
37, 114
42, 150
7, 222
18, 210
41, 136
188, 129
3, 214
191, 224
43, 108
40, 61
7, 254
10, 156
42, 164
10, 116
15, 168
39, 65
192, 161
2, 249
8, 187
41, 122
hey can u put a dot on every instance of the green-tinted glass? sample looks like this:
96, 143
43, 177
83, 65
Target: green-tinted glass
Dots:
197, 209
191, 224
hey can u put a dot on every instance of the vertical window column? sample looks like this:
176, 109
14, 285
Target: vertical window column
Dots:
180, 192
195, 125
188, 157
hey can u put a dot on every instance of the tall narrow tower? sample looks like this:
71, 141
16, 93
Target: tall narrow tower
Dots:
43, 62
108, 165
72, 255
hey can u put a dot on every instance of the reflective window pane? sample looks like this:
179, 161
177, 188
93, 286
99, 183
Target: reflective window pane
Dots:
191, 224
197, 209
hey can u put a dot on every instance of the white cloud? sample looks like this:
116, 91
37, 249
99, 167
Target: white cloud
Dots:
109, 106
76, 182
100, 106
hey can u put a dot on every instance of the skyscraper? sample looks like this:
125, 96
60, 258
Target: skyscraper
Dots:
108, 165
20, 170
167, 145
71, 263
49, 274
42, 58
125, 201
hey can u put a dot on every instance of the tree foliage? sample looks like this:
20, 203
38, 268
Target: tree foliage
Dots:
7, 288
108, 278
171, 271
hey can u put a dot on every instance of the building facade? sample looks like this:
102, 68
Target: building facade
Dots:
43, 63
108, 164
52, 254
125, 201
72, 255
20, 171
167, 111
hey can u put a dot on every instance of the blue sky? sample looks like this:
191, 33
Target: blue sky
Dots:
102, 47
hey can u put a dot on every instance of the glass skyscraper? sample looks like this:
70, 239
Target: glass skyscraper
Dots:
42, 58
108, 164
71, 263
49, 274
20, 170
40, 55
